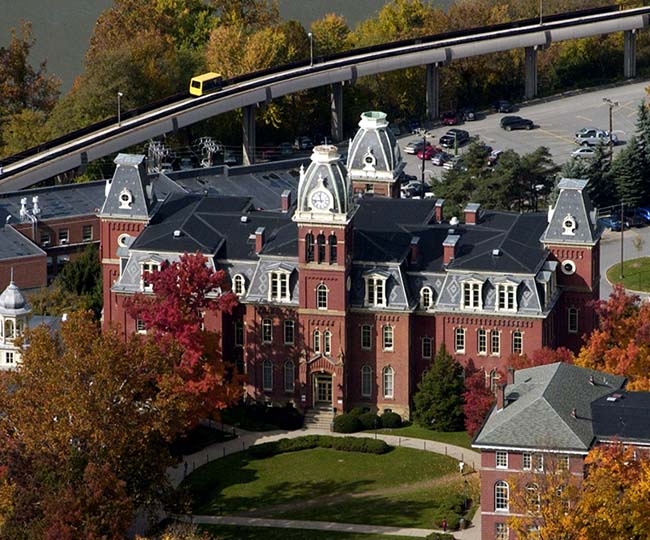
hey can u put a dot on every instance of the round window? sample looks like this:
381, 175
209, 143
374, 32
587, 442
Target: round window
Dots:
121, 240
568, 267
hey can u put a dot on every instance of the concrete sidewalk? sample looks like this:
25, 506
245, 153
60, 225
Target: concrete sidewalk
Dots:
246, 439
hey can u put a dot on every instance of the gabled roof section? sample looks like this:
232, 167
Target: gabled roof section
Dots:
572, 220
548, 407
129, 194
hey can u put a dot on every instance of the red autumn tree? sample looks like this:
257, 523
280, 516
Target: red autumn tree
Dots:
541, 357
478, 398
184, 293
621, 343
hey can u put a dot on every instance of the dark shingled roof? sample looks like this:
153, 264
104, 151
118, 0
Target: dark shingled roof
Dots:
622, 415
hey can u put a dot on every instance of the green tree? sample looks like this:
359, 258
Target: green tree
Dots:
628, 172
439, 399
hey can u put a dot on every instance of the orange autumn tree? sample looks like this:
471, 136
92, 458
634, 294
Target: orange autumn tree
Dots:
621, 343
185, 292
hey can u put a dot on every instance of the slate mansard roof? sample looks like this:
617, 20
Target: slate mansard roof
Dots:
550, 407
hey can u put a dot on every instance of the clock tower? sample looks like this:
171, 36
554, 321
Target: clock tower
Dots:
324, 215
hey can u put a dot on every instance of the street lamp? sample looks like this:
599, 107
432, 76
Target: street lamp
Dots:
119, 108
611, 104
424, 148
311, 48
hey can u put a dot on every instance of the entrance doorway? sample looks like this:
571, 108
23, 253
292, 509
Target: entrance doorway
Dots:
322, 389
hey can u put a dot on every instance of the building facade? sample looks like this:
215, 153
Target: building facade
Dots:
347, 291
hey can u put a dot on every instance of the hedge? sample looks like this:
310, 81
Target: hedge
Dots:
347, 444
347, 423
391, 420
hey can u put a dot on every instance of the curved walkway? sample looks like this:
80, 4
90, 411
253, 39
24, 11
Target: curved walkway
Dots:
245, 439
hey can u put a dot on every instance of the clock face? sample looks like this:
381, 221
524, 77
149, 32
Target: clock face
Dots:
320, 200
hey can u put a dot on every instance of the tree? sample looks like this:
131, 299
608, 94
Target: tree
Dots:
83, 433
541, 357
331, 34
478, 399
621, 343
439, 399
185, 293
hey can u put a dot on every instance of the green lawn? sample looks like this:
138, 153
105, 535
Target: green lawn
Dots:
230, 532
455, 438
405, 487
636, 274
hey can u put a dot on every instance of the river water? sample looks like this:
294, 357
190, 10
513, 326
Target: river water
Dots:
62, 28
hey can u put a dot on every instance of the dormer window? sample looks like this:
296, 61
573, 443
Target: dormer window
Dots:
239, 285
569, 225
369, 160
426, 298
472, 295
279, 286
126, 199
376, 290
148, 268
506, 297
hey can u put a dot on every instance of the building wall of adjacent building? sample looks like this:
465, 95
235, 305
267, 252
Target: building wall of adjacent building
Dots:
28, 272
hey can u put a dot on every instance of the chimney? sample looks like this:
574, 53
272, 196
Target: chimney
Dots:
501, 396
414, 254
511, 375
36, 209
449, 248
438, 210
471, 213
259, 239
286, 200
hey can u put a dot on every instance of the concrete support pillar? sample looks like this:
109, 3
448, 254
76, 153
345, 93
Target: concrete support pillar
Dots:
336, 110
433, 91
629, 54
530, 90
248, 128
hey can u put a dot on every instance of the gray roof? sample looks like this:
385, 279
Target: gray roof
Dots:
129, 194
624, 416
14, 245
548, 407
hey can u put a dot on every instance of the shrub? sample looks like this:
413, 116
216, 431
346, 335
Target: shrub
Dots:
391, 420
369, 420
356, 411
345, 444
346, 423
440, 536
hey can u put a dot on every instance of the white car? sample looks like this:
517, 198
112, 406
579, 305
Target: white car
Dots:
594, 136
584, 152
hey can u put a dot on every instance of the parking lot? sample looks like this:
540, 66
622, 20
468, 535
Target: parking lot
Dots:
556, 122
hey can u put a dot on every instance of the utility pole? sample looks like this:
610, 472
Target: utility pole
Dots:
611, 104
424, 150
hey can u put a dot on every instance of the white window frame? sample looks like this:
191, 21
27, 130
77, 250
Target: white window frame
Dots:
501, 459
150, 267
563, 462
366, 381
239, 285
495, 342
518, 342
322, 293
140, 327
472, 295
481, 341
572, 320
527, 461
327, 343
279, 286
427, 347
426, 298
533, 498
9, 357
289, 332
388, 382
316, 341
387, 337
289, 376
459, 340
267, 331
366, 337
538, 462
501, 531
376, 290
506, 298
501, 496
64, 236
87, 233
267, 375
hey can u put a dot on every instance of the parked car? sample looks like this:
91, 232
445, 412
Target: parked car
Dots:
516, 122
584, 152
303, 143
593, 137
454, 137
634, 218
413, 147
503, 106
644, 212
441, 158
449, 118
493, 157
468, 114
456, 162
428, 152
610, 222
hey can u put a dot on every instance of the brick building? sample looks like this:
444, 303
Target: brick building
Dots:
346, 297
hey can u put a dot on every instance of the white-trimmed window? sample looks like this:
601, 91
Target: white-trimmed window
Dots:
366, 337
148, 268
366, 381
289, 376
289, 332
538, 462
9, 357
481, 341
506, 297
9, 329
563, 462
238, 284
45, 239
517, 342
388, 379
267, 330
472, 295
321, 296
573, 320
279, 286
459, 340
502, 459
140, 327
387, 337
501, 496
526, 461
87, 233
239, 333
267, 375
501, 531
533, 499
427, 347
327, 343
495, 377
495, 342
426, 297
376, 291
64, 236
316, 341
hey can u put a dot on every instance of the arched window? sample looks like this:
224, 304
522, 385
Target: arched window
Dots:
316, 341
517, 342
501, 495
238, 285
387, 338
494, 379
332, 241
427, 347
320, 240
327, 342
426, 298
532, 497
9, 329
309, 247
366, 381
388, 376
267, 375
321, 296
289, 376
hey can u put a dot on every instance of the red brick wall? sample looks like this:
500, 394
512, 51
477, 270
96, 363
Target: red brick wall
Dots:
28, 272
